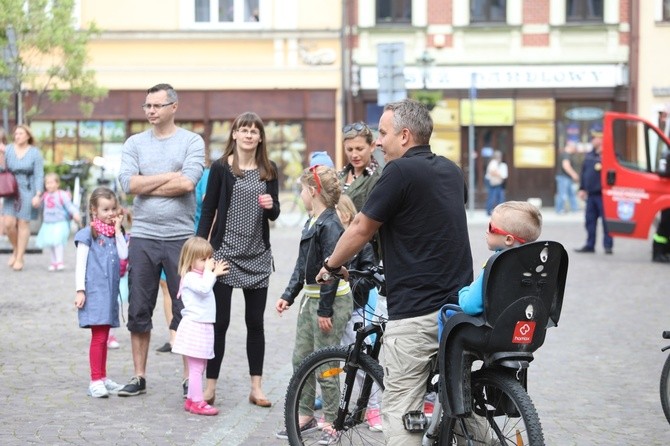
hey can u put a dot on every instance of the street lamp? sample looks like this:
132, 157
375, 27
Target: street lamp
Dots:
425, 60
428, 98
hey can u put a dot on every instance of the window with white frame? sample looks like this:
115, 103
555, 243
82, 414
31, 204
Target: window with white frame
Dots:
665, 15
488, 11
584, 11
227, 11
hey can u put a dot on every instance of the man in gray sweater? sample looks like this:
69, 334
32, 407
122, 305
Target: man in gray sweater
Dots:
161, 167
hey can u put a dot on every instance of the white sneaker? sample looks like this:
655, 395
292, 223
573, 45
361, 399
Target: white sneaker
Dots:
97, 389
112, 387
112, 342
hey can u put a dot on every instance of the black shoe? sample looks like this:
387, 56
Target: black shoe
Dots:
608, 251
310, 426
661, 258
135, 386
165, 348
184, 385
585, 249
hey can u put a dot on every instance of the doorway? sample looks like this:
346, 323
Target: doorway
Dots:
487, 139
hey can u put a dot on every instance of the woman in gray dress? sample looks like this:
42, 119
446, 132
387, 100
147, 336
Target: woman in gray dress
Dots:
26, 162
240, 200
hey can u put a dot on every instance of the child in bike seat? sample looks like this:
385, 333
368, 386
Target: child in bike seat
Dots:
325, 308
512, 223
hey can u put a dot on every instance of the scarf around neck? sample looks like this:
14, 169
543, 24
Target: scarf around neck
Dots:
103, 228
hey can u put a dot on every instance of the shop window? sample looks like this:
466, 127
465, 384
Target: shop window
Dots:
666, 11
394, 11
584, 11
227, 11
488, 11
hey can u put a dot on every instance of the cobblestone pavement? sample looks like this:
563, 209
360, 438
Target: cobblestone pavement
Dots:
595, 381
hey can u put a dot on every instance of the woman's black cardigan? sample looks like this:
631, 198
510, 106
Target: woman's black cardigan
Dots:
217, 201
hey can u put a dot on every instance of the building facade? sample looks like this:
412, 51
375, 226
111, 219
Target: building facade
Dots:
281, 60
651, 69
528, 75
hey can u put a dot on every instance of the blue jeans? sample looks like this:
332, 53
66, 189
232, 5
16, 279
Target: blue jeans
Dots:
495, 196
565, 193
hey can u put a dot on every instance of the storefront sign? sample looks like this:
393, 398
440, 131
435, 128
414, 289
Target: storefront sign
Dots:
504, 76
488, 112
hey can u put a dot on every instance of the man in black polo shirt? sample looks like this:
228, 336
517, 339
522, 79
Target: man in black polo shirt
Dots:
418, 207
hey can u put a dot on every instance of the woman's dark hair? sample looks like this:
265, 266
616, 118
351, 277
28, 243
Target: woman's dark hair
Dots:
265, 168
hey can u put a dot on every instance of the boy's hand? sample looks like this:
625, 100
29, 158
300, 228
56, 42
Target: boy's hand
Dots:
281, 306
221, 267
80, 299
325, 323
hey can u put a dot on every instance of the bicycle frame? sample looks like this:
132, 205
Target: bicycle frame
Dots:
353, 365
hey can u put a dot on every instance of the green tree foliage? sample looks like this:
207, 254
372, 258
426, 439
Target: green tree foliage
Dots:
50, 57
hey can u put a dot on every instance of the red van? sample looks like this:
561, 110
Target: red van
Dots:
635, 174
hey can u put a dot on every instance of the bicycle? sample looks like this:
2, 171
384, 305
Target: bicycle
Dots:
665, 381
489, 405
78, 173
293, 212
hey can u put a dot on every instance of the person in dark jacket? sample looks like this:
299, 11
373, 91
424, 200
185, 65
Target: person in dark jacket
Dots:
590, 190
240, 200
325, 308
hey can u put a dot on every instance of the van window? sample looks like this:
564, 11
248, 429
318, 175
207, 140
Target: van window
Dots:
637, 145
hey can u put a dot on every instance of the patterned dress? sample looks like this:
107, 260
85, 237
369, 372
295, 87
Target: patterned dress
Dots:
29, 172
243, 246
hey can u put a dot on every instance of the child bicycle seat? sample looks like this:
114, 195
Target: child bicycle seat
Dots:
523, 295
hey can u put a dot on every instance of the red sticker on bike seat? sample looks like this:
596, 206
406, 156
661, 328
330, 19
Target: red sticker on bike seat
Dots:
523, 332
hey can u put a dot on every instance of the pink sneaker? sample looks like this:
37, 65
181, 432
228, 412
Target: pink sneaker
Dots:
374, 419
112, 342
202, 408
187, 404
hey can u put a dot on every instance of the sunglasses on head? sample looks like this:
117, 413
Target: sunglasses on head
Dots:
357, 126
494, 230
316, 177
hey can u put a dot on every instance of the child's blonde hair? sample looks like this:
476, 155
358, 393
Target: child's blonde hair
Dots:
520, 218
347, 208
194, 248
52, 176
327, 186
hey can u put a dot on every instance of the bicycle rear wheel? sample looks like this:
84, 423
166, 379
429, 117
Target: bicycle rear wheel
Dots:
502, 413
665, 388
326, 369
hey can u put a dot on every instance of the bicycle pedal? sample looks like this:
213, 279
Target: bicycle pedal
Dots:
415, 421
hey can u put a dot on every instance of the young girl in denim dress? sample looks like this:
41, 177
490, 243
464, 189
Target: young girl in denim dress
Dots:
100, 247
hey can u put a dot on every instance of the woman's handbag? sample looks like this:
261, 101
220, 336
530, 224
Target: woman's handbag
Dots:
9, 188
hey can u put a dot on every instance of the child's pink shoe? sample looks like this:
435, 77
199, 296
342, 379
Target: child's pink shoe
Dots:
202, 408
187, 404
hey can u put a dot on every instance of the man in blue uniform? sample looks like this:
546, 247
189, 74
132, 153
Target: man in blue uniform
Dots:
590, 190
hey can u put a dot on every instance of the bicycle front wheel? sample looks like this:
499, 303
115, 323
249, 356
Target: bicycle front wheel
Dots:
502, 413
665, 388
316, 389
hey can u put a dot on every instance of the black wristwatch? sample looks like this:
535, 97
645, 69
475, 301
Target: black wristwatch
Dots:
328, 268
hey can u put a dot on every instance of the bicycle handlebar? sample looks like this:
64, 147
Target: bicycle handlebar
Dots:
375, 273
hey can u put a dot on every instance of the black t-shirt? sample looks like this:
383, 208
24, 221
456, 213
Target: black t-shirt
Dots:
420, 201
